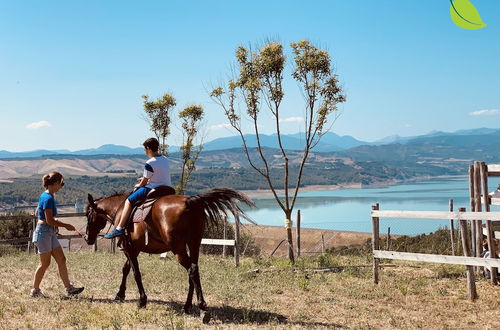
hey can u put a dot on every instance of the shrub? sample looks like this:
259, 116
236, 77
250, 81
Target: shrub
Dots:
16, 228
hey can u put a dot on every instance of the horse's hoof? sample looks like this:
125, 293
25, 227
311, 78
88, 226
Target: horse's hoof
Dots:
143, 303
188, 309
119, 298
205, 316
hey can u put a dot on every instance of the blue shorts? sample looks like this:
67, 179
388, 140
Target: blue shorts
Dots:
139, 195
45, 238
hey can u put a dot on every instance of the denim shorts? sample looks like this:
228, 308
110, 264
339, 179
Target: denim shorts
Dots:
139, 195
45, 238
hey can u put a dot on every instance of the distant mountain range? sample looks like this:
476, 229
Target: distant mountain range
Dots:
330, 142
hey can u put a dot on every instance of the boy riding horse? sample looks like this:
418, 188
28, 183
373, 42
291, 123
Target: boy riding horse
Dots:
156, 173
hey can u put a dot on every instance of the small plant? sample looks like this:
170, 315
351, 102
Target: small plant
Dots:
304, 284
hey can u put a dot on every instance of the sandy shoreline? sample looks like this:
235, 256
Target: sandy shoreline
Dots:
266, 193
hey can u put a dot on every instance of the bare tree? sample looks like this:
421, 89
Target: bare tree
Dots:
260, 81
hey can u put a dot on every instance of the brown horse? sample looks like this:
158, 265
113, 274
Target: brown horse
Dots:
176, 223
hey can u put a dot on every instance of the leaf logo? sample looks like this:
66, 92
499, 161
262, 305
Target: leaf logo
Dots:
465, 15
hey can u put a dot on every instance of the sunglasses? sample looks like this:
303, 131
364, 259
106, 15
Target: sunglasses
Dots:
62, 183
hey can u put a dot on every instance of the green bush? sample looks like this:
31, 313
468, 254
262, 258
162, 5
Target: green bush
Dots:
16, 228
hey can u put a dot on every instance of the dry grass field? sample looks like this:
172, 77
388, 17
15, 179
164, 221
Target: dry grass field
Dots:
409, 295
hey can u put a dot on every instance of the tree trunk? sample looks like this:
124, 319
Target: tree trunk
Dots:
288, 225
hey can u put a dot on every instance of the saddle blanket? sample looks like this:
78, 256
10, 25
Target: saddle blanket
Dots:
141, 214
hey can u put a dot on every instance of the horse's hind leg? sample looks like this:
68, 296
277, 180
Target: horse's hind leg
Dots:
120, 296
185, 261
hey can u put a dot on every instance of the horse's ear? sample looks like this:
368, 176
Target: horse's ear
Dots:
91, 201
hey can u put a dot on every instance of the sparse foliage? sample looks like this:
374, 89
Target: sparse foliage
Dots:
159, 117
191, 117
259, 82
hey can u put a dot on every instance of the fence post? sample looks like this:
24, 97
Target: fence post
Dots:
94, 247
472, 207
322, 243
29, 241
113, 245
452, 230
237, 241
69, 245
388, 241
35, 220
224, 246
478, 223
471, 285
375, 243
298, 233
489, 228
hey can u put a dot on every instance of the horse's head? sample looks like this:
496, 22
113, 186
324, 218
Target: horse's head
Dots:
96, 220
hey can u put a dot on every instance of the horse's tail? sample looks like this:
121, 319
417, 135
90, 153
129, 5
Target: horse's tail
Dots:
216, 203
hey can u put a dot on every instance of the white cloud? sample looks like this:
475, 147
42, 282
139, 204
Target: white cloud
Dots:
38, 124
220, 126
488, 112
292, 120
408, 125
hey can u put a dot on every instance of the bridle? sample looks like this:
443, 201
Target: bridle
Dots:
108, 218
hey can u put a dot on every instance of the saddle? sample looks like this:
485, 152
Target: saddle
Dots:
141, 209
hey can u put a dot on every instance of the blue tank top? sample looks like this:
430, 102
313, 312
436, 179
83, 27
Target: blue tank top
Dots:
46, 201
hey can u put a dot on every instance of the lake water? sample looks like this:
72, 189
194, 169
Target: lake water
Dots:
349, 209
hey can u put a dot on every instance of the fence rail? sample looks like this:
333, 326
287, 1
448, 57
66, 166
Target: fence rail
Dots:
468, 259
27, 240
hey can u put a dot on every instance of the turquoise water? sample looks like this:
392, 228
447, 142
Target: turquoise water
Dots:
349, 209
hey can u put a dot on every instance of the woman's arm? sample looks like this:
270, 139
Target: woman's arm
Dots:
49, 218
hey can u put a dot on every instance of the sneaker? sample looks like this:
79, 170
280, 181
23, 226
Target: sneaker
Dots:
116, 232
36, 293
71, 290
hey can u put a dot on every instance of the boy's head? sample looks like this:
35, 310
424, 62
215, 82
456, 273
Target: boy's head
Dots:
151, 144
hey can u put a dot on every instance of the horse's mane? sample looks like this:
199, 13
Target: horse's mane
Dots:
114, 194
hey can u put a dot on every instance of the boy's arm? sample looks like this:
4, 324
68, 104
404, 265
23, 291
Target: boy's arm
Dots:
144, 181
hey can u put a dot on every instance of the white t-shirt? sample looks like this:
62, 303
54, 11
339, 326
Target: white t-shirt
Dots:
158, 172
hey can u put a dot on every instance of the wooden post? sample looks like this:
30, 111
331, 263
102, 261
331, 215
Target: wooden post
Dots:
388, 242
224, 236
472, 207
375, 243
479, 223
471, 285
35, 220
237, 241
94, 248
322, 244
30, 240
452, 230
489, 228
298, 233
69, 245
113, 245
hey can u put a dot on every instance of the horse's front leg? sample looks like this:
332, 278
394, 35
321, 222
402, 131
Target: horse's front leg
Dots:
120, 296
143, 299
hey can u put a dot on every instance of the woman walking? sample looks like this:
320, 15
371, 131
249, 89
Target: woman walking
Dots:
45, 235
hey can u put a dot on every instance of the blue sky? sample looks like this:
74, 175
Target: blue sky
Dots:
76, 70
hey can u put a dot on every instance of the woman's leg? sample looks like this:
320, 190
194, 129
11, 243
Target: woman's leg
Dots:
40, 270
60, 258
